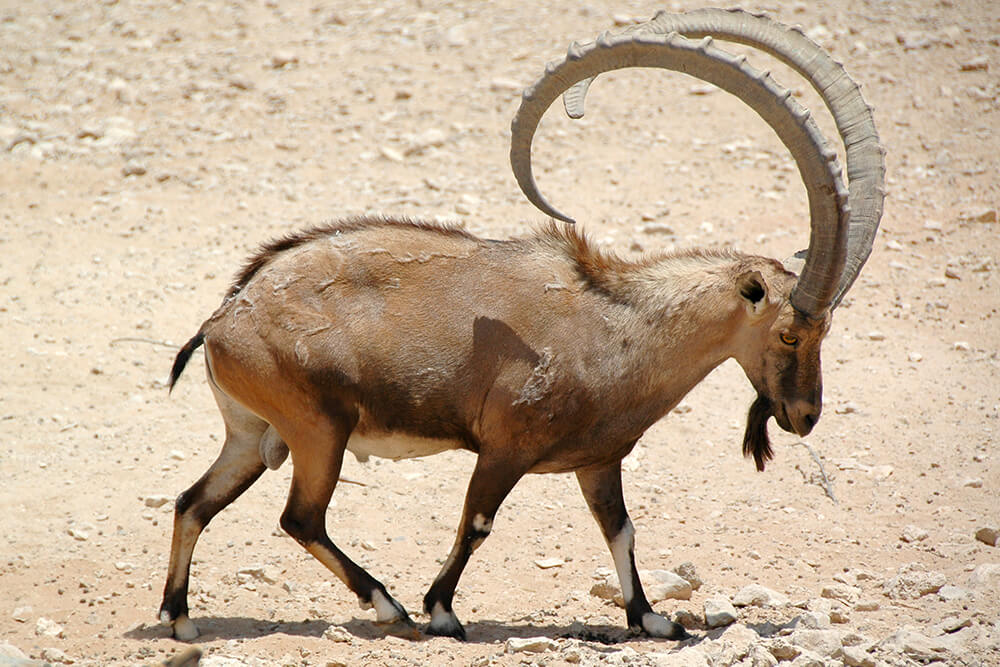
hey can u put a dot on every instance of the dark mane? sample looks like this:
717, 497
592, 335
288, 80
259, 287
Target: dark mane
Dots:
267, 251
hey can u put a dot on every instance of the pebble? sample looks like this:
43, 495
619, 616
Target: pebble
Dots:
842, 592
687, 569
282, 59
530, 645
258, 573
917, 646
46, 627
759, 596
914, 534
984, 575
980, 214
949, 593
133, 168
155, 501
989, 535
855, 656
21, 614
961, 346
913, 581
336, 633
876, 335
977, 64
973, 482
719, 612
549, 563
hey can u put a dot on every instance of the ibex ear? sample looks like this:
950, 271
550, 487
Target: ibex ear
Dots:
753, 290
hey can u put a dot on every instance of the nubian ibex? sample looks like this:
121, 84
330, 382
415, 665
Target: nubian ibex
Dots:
399, 339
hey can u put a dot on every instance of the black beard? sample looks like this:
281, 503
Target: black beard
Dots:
755, 440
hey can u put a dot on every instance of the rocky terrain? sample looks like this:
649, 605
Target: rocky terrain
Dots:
147, 147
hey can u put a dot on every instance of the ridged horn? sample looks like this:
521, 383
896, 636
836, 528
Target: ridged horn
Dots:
817, 163
840, 93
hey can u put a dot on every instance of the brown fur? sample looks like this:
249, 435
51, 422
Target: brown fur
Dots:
541, 354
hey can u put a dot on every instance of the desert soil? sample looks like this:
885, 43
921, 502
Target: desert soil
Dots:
147, 147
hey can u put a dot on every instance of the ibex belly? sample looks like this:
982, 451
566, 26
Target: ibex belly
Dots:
395, 445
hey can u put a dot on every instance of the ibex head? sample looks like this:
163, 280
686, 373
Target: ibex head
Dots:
789, 314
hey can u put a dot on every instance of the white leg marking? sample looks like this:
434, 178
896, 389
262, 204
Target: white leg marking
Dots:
443, 621
656, 625
184, 629
385, 611
482, 524
620, 546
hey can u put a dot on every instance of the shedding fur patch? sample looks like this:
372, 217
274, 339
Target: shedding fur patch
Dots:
540, 382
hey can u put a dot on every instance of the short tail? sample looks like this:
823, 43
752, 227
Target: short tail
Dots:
180, 361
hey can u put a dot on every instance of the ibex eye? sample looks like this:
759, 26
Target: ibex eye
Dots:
789, 339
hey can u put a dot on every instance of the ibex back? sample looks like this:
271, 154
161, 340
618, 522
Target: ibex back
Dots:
398, 339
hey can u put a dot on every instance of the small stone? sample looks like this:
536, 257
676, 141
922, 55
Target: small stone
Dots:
782, 649
530, 644
133, 168
949, 593
282, 59
951, 624
867, 605
549, 563
815, 620
824, 642
961, 346
719, 612
984, 575
657, 228
124, 566
665, 585
391, 154
876, 335
917, 646
21, 614
759, 596
980, 214
855, 656
336, 633
46, 627
973, 483
156, 501
56, 655
687, 619
988, 535
914, 357
914, 534
913, 581
842, 592
687, 569
977, 64
79, 534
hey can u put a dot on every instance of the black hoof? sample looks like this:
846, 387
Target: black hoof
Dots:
455, 631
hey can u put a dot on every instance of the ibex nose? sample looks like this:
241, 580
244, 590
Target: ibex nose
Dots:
803, 416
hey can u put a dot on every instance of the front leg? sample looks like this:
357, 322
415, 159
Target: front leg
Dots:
603, 490
491, 481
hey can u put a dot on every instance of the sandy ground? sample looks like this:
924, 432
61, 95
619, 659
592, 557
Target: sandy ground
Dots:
147, 147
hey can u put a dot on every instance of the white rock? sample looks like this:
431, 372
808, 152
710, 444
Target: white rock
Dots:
719, 611
665, 585
687, 569
759, 596
46, 627
21, 614
815, 619
842, 592
156, 500
876, 335
989, 535
530, 644
56, 655
549, 563
917, 646
689, 656
961, 346
824, 642
985, 575
10, 651
855, 656
913, 581
391, 153
913, 534
337, 633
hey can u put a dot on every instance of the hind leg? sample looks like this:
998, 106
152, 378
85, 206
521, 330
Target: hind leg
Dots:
238, 466
317, 456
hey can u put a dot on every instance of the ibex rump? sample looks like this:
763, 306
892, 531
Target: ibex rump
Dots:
543, 354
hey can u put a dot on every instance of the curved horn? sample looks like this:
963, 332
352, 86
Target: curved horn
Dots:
817, 163
840, 93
